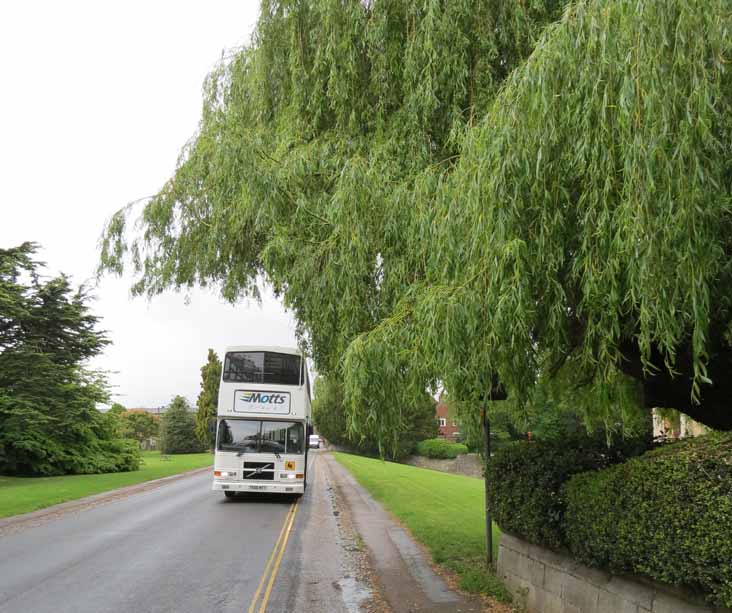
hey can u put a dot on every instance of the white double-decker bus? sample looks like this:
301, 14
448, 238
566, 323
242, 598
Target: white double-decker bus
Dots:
263, 422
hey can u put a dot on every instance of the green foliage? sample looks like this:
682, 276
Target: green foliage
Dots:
555, 409
116, 409
319, 153
139, 425
603, 138
178, 429
115, 419
439, 448
666, 515
463, 191
526, 482
329, 415
49, 424
331, 420
208, 400
558, 408
506, 426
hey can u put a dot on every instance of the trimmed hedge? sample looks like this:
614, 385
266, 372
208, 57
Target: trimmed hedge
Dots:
526, 478
666, 515
440, 448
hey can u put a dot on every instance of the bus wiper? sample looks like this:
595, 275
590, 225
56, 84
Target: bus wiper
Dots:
277, 455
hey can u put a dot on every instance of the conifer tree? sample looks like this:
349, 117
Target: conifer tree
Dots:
208, 398
49, 423
178, 428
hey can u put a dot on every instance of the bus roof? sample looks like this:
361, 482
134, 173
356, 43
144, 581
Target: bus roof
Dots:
270, 348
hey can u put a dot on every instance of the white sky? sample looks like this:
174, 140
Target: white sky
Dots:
97, 100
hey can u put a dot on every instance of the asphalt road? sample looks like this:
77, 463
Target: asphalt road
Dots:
179, 547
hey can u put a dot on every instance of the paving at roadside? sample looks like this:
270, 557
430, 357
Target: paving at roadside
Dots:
327, 567
402, 572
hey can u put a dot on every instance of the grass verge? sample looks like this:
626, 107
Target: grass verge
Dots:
25, 494
444, 512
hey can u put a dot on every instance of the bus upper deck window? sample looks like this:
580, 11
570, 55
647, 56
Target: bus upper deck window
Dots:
262, 367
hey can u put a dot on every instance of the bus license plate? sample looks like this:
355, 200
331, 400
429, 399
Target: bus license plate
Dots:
257, 487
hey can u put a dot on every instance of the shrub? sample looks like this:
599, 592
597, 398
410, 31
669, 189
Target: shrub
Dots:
526, 479
440, 448
666, 515
116, 455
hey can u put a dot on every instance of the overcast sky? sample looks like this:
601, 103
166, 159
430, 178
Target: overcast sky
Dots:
97, 100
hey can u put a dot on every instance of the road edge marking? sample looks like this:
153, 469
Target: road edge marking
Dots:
290, 513
276, 566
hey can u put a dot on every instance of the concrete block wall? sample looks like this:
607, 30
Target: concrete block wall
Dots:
543, 581
468, 464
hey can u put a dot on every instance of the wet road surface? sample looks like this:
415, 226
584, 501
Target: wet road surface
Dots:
181, 547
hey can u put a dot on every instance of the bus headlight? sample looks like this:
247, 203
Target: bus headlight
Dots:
224, 474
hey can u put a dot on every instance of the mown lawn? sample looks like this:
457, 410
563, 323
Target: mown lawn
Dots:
24, 494
444, 512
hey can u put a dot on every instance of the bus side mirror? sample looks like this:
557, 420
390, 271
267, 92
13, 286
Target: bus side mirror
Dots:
309, 429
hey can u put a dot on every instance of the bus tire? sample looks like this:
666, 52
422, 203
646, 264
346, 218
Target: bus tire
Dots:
230, 495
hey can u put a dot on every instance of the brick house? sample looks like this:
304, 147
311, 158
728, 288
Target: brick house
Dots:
448, 427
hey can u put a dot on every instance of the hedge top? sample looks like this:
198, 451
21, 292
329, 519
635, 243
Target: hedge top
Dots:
440, 448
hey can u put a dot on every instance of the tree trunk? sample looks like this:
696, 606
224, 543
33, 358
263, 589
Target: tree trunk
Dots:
661, 389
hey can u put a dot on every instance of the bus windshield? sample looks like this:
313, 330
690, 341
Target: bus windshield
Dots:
259, 436
262, 367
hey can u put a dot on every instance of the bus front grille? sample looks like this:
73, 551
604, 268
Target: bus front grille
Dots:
259, 471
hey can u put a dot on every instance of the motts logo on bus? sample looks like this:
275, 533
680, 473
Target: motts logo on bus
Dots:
261, 398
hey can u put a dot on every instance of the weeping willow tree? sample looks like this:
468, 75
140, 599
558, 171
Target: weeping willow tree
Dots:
586, 228
319, 153
487, 194
598, 187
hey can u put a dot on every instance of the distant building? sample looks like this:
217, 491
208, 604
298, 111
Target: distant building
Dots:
448, 426
151, 410
672, 425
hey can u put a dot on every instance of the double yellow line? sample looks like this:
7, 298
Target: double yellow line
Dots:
270, 570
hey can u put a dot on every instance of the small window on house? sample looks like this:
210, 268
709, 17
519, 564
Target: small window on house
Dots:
443, 422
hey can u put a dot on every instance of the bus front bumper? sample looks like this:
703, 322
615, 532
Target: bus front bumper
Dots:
265, 487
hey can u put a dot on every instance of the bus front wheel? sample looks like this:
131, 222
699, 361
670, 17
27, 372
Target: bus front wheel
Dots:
230, 495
